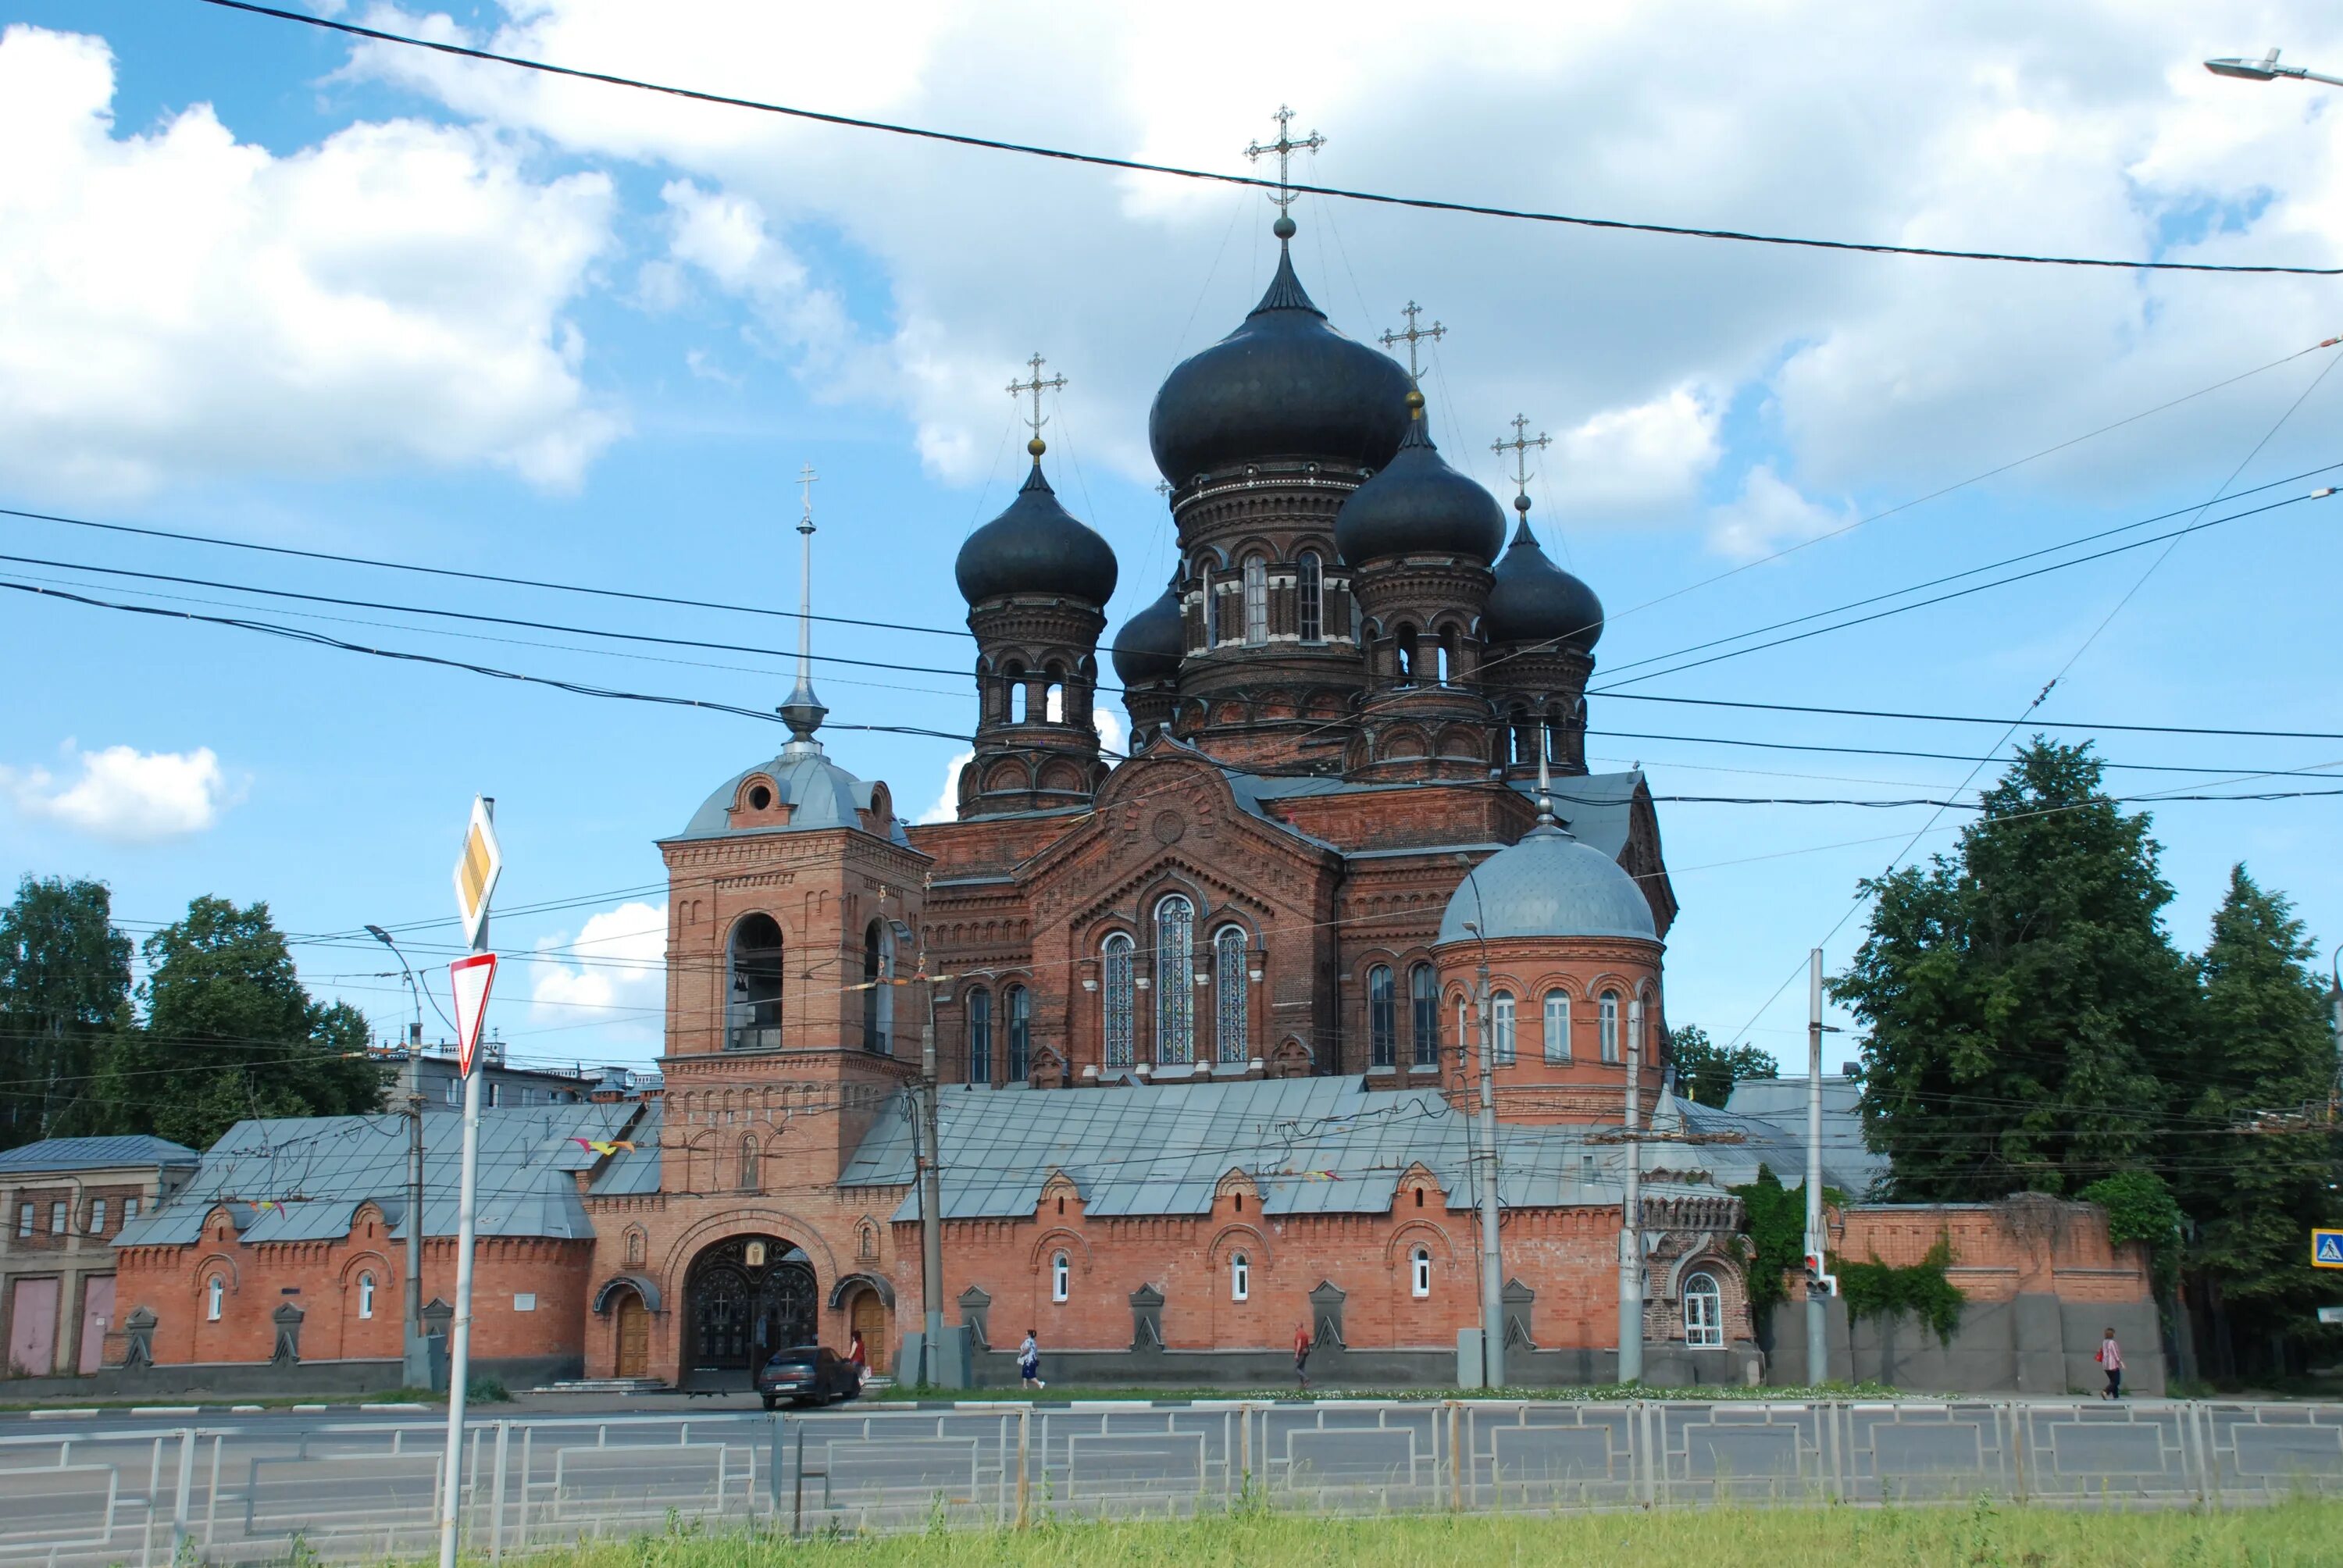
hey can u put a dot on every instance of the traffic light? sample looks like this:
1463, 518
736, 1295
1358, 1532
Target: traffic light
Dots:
1820, 1282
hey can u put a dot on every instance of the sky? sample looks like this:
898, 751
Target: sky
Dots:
261, 282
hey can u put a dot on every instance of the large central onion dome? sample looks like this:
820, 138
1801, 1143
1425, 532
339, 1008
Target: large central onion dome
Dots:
1418, 505
1284, 384
1036, 547
1149, 647
1535, 601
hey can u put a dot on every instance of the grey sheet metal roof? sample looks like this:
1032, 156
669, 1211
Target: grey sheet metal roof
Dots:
819, 792
68, 1154
302, 1177
1311, 1145
1772, 1111
633, 1172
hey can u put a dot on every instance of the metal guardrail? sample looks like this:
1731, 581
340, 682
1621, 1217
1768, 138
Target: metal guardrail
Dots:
346, 1490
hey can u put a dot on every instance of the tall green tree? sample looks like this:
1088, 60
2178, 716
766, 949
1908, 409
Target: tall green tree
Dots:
2023, 1004
65, 986
1706, 1071
2264, 1052
229, 1033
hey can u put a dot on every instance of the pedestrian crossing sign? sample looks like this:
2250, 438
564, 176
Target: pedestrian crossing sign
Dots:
2326, 1248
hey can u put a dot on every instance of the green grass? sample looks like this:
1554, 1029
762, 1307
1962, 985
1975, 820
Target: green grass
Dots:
1977, 1535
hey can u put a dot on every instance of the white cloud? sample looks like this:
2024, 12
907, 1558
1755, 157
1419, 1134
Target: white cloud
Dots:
1114, 738
1637, 460
126, 795
612, 978
1768, 515
177, 303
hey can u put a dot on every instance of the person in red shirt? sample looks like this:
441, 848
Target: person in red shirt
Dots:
860, 1356
2110, 1360
1302, 1356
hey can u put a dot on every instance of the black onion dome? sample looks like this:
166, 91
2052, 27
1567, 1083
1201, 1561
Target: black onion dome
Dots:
1283, 384
1418, 505
1150, 643
1036, 547
1537, 601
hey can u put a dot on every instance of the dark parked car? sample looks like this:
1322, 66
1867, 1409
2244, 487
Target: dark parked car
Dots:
808, 1374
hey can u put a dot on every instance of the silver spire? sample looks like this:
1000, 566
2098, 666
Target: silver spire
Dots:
804, 712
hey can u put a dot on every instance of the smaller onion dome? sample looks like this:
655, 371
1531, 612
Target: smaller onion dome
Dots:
1150, 646
1535, 601
1418, 505
1036, 547
1548, 885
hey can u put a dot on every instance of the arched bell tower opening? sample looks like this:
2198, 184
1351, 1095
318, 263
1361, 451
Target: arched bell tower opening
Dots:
744, 1298
753, 996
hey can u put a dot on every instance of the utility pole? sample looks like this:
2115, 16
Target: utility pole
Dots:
1492, 1270
1631, 1213
932, 1210
414, 1355
1817, 1243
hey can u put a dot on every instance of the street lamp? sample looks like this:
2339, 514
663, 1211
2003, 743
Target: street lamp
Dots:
1492, 1271
2268, 69
417, 1373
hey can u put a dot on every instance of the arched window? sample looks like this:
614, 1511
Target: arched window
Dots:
1310, 584
1116, 999
1256, 600
878, 1001
754, 1008
1229, 993
1463, 1029
1403, 652
366, 1295
1607, 1020
1021, 1032
1419, 1283
1211, 604
1175, 980
1704, 1314
1061, 1277
1381, 1037
866, 1240
1012, 675
214, 1296
749, 1172
635, 1241
1558, 1026
980, 1036
1423, 1015
1240, 1278
1501, 1029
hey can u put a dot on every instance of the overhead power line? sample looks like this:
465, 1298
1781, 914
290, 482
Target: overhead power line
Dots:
1135, 166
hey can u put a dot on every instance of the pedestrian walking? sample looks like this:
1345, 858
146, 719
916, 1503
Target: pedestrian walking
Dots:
1029, 1361
859, 1356
1302, 1356
2110, 1359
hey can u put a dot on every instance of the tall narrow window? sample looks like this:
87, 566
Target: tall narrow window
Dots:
1607, 1019
1466, 1040
24, 1219
1419, 1283
879, 999
980, 1036
1381, 1037
1061, 1277
1015, 676
98, 1216
56, 1218
1021, 1032
1211, 605
1310, 596
1256, 600
129, 1210
1501, 1029
215, 1297
1175, 985
1240, 1278
1116, 999
1704, 1314
366, 1295
1558, 1026
1229, 993
1423, 1014
753, 1010
748, 1164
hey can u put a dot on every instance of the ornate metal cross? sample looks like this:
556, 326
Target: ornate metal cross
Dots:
1413, 336
1520, 447
1285, 147
1036, 386
807, 479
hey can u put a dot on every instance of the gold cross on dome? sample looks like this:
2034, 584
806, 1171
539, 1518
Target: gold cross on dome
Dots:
1413, 336
1520, 447
1036, 386
1285, 147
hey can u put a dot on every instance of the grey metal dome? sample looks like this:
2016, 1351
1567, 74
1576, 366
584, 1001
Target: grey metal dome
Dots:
819, 792
1549, 885
1284, 383
1036, 547
1418, 505
1150, 646
1537, 601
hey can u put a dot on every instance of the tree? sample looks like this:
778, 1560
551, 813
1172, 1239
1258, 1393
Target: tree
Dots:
2023, 1005
1706, 1071
2264, 1045
64, 984
230, 1033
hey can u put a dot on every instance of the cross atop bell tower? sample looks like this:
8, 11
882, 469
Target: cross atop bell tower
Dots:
1413, 336
1521, 446
804, 712
1035, 388
1285, 147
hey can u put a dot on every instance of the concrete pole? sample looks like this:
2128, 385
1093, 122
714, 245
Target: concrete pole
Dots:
1493, 1268
931, 1202
459, 1343
1817, 1243
418, 1372
1631, 1213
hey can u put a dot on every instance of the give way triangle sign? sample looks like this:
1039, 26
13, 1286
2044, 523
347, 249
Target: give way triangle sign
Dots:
469, 978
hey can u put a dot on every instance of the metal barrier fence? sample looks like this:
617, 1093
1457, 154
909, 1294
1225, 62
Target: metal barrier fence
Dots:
266, 1488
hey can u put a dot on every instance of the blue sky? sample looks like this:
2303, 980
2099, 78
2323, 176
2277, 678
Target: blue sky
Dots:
398, 307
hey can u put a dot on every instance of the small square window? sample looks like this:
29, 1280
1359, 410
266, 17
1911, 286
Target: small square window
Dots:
524, 1301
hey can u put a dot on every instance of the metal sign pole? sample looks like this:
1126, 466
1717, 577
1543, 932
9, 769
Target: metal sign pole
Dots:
459, 1343
1817, 1241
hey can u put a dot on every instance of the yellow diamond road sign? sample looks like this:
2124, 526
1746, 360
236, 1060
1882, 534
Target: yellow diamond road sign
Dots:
476, 869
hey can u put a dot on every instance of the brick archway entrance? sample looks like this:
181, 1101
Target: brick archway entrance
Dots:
744, 1298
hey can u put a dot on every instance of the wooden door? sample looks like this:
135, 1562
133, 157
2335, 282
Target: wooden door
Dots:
634, 1336
32, 1328
96, 1317
870, 1321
